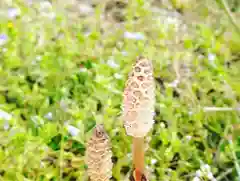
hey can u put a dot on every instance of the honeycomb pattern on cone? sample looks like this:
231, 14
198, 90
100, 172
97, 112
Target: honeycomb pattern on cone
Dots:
139, 99
98, 155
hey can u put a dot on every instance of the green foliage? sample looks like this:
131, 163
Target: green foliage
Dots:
58, 81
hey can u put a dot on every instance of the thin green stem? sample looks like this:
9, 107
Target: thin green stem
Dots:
61, 153
222, 175
230, 16
235, 158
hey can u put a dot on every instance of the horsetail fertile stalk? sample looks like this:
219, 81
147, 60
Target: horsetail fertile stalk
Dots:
138, 110
98, 155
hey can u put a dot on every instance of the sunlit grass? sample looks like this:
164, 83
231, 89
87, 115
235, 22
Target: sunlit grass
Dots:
61, 73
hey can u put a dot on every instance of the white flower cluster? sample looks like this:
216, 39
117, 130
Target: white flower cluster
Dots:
3, 39
14, 12
204, 173
72, 130
134, 35
5, 116
46, 10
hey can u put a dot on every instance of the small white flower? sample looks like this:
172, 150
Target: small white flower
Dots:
210, 176
66, 123
153, 161
4, 50
134, 35
148, 139
112, 63
174, 83
124, 53
42, 164
50, 15
200, 57
188, 137
5, 116
87, 33
171, 21
6, 126
45, 5
162, 125
49, 116
154, 114
199, 173
73, 130
211, 57
83, 69
190, 113
85, 9
3, 39
118, 76
46, 10
196, 179
13, 12
63, 105
38, 58
206, 168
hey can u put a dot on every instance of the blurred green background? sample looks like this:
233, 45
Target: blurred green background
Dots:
63, 66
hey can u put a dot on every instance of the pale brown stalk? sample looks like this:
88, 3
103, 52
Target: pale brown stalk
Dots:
138, 157
138, 109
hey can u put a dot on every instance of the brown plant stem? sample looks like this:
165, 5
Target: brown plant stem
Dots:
138, 157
